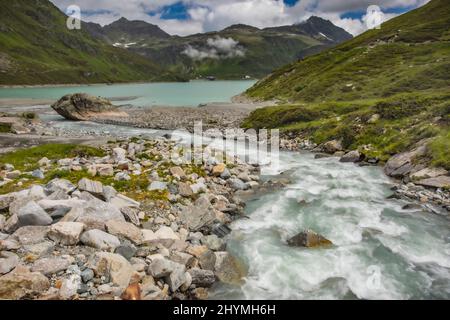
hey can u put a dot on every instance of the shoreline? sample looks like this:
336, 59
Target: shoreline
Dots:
62, 85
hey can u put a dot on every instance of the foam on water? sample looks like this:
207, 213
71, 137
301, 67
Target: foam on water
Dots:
380, 251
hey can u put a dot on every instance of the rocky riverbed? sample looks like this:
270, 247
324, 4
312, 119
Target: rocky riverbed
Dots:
130, 224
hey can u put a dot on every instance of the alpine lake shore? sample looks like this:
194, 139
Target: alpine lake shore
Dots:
104, 217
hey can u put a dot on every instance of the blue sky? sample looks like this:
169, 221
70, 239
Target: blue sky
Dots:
185, 17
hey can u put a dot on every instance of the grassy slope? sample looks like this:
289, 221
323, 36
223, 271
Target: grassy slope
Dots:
401, 72
37, 48
265, 50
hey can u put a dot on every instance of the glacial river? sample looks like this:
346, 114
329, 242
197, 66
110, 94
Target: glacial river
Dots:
380, 251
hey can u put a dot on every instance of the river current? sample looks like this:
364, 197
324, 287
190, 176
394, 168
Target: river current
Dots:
380, 251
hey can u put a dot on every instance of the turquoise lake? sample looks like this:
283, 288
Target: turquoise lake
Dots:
143, 94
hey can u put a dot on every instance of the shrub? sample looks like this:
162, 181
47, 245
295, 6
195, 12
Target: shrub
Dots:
397, 109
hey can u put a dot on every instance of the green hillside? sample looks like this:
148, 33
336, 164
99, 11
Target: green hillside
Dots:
399, 73
263, 50
37, 48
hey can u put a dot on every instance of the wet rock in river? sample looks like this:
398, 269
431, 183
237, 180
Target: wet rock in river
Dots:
332, 146
352, 156
309, 239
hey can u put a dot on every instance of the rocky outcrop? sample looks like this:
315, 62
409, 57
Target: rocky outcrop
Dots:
83, 107
401, 164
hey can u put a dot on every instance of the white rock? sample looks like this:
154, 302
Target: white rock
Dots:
44, 162
66, 233
119, 154
69, 286
113, 265
157, 186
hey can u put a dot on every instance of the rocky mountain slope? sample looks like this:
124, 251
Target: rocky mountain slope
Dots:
37, 48
232, 53
383, 93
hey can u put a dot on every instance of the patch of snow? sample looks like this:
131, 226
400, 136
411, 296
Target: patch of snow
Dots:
325, 36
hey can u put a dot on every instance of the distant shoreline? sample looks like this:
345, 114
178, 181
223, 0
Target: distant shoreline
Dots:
63, 85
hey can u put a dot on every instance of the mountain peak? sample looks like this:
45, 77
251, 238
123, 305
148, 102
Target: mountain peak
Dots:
136, 28
240, 27
313, 19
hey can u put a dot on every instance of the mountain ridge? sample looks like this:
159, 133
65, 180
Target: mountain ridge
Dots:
265, 49
37, 48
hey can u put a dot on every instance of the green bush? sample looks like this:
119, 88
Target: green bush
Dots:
28, 158
392, 110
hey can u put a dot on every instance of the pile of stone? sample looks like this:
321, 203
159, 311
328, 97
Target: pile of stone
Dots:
88, 241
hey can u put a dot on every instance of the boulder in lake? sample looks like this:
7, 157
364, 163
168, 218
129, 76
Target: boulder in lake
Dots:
83, 107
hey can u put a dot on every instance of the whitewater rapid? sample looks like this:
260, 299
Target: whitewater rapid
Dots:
380, 251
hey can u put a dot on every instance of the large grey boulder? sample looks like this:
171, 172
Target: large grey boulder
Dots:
31, 214
83, 107
94, 212
100, 240
352, 156
402, 163
332, 146
202, 278
199, 215
31, 234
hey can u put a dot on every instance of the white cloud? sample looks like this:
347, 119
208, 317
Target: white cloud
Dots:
209, 15
216, 48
